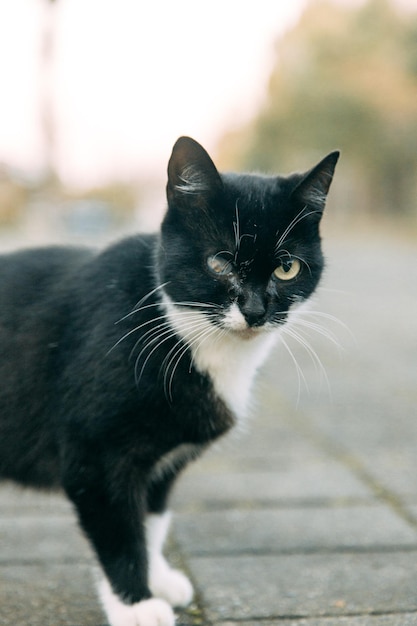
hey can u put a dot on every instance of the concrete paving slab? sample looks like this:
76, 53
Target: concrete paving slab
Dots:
266, 445
292, 530
48, 595
34, 538
252, 588
309, 480
15, 500
396, 469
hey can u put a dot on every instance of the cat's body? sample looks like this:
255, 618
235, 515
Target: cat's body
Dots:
117, 368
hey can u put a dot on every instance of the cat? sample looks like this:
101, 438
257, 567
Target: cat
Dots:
119, 367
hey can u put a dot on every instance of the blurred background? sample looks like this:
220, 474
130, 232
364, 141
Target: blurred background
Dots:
95, 92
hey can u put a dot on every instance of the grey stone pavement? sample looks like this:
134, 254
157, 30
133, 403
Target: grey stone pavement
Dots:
305, 517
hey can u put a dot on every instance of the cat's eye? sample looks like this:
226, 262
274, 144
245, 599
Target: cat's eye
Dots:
289, 269
219, 265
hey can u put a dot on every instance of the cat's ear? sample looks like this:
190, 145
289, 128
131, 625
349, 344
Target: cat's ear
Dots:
313, 188
191, 172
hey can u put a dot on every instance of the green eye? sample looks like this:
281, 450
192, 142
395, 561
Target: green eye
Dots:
289, 269
219, 265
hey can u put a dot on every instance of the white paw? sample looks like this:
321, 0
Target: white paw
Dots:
169, 584
152, 612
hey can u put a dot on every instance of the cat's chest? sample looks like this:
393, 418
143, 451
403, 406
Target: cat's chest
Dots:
230, 361
231, 364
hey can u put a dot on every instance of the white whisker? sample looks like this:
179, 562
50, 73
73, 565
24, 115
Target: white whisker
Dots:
320, 330
167, 334
319, 367
182, 349
297, 219
300, 373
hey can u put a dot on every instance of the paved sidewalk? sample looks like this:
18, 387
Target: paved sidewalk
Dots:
309, 518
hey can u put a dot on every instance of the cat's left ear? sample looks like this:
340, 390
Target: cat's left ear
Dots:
313, 188
191, 172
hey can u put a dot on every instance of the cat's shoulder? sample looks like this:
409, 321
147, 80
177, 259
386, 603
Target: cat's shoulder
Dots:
131, 249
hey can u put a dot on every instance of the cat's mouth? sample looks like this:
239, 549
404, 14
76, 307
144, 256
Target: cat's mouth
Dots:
247, 333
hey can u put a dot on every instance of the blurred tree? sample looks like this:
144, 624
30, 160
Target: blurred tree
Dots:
343, 78
13, 197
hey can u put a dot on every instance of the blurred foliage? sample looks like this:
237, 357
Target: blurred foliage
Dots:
13, 197
120, 196
343, 78
46, 201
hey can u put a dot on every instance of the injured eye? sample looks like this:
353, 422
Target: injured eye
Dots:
219, 265
289, 269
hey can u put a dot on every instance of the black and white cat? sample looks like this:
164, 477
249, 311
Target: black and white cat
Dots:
117, 368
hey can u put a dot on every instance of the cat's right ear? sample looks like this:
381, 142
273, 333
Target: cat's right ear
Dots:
192, 174
314, 186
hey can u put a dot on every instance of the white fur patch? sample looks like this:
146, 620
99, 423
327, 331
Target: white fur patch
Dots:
234, 319
230, 360
164, 581
152, 612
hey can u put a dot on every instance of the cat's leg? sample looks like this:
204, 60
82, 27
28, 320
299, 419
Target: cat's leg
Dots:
164, 581
115, 524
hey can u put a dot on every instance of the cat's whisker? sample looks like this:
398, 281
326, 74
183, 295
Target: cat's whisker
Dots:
182, 349
149, 294
200, 305
133, 311
328, 317
179, 350
152, 320
320, 330
151, 336
319, 367
236, 228
298, 369
166, 334
197, 340
186, 315
297, 219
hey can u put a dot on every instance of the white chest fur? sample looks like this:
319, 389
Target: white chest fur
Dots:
230, 360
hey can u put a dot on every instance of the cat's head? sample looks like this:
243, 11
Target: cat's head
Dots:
244, 249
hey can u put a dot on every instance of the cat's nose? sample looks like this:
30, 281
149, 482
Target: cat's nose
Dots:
253, 309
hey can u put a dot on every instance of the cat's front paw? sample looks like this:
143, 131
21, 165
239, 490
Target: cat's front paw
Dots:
152, 612
170, 584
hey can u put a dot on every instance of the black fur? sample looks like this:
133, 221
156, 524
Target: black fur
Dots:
83, 403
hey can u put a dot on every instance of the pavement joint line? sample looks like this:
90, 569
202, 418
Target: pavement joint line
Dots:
320, 616
339, 453
214, 506
323, 550
196, 610
41, 562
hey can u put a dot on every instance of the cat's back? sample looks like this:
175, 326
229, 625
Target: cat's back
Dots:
28, 276
56, 303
